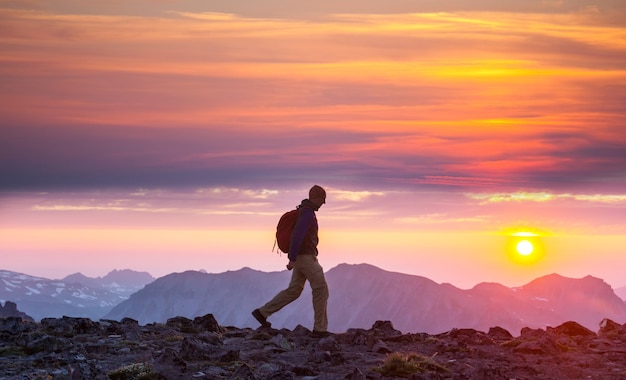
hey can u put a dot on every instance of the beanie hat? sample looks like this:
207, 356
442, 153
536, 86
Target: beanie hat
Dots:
317, 192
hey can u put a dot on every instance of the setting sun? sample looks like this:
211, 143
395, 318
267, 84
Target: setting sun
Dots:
524, 247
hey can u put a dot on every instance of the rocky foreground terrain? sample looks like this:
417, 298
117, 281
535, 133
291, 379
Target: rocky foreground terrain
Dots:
79, 348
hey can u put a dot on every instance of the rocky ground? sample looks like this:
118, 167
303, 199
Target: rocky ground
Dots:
78, 348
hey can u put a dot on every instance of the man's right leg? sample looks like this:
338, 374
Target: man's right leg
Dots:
285, 297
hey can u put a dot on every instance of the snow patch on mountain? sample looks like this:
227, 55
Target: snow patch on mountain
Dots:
76, 296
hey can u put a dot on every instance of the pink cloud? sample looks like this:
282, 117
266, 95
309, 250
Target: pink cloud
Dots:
432, 98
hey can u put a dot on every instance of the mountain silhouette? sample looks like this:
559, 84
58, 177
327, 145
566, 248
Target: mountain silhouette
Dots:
361, 294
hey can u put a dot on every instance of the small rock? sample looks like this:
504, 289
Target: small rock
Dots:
282, 343
612, 330
194, 349
356, 374
381, 347
206, 323
384, 328
499, 334
244, 372
12, 325
328, 344
571, 329
230, 356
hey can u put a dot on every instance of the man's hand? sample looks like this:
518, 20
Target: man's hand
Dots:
290, 265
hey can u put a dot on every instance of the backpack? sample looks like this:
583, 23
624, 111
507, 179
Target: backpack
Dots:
284, 229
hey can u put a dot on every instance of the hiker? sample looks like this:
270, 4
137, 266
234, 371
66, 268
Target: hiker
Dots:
303, 261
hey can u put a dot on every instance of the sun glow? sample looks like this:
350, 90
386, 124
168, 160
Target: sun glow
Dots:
524, 247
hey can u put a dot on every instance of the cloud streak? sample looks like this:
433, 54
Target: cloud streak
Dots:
547, 197
470, 98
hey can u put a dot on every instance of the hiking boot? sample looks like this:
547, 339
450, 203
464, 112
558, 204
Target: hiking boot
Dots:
259, 317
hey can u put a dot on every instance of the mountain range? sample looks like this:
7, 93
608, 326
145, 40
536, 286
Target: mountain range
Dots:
362, 294
621, 292
76, 295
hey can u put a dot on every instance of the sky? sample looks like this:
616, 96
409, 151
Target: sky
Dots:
166, 136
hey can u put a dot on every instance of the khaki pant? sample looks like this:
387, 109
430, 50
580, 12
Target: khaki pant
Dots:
306, 268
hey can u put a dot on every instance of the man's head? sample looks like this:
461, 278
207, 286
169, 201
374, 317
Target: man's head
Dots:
317, 195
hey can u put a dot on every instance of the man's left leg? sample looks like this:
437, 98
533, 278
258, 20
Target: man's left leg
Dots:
285, 297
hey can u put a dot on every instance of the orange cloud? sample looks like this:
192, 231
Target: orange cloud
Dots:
486, 94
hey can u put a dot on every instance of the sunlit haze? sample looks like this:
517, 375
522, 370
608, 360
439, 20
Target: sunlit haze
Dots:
165, 136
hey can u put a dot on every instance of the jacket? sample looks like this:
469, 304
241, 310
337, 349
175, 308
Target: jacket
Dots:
304, 238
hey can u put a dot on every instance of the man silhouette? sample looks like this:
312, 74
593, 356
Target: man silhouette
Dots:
303, 261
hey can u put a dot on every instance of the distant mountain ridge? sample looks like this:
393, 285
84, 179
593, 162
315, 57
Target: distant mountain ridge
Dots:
76, 295
122, 282
621, 292
362, 294
359, 295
